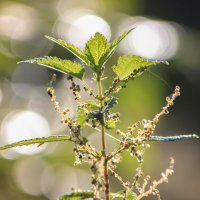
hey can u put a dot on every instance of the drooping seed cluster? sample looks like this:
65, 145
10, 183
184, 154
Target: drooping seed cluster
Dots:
88, 89
75, 88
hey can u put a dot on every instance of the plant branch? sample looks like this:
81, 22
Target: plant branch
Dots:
106, 179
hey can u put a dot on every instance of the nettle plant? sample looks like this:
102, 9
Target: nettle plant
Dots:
97, 113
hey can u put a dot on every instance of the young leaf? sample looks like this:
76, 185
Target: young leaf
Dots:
119, 39
110, 124
70, 47
95, 48
113, 46
132, 65
82, 116
131, 196
77, 196
40, 141
121, 196
64, 66
83, 113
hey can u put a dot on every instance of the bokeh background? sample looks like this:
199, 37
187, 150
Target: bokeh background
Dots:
164, 30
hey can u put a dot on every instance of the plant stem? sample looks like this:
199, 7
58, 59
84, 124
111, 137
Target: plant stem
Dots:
106, 179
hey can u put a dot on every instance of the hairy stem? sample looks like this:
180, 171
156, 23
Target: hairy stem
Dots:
106, 179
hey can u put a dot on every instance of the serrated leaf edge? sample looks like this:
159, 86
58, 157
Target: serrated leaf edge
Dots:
42, 140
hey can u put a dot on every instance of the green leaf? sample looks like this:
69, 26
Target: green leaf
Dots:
95, 48
40, 141
110, 124
77, 196
121, 196
132, 65
64, 66
113, 47
92, 104
119, 39
70, 47
131, 196
82, 116
83, 113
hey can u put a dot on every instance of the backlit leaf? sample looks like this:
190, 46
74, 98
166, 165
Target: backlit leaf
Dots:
95, 48
120, 38
70, 47
132, 65
113, 47
64, 66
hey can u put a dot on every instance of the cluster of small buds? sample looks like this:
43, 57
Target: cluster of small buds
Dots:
78, 156
116, 87
112, 116
113, 87
94, 123
135, 72
148, 128
51, 93
150, 125
82, 154
132, 128
75, 88
122, 134
89, 90
170, 102
65, 119
97, 177
64, 115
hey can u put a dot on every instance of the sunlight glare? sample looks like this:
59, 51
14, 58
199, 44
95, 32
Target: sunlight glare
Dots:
77, 27
23, 125
151, 38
